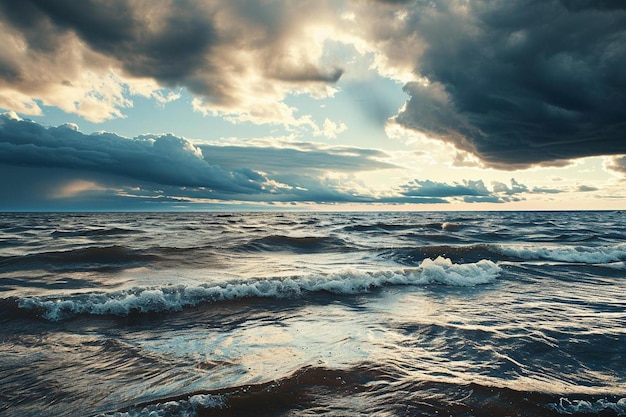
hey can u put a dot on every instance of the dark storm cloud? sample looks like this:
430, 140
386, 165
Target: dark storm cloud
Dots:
164, 159
523, 82
578, 5
168, 48
101, 23
236, 57
58, 161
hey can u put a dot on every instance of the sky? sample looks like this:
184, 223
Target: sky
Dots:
312, 105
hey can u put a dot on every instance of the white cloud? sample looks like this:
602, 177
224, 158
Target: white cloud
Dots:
330, 129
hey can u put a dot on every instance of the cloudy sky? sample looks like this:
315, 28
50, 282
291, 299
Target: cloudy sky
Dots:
339, 104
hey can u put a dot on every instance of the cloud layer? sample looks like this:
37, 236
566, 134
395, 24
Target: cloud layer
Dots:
516, 83
470, 191
521, 82
238, 58
62, 162
61, 167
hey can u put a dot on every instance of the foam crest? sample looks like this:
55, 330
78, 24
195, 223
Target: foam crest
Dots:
176, 297
180, 408
577, 254
567, 406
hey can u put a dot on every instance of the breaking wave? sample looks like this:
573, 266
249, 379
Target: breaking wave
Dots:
188, 407
298, 390
569, 407
593, 255
176, 297
570, 254
267, 398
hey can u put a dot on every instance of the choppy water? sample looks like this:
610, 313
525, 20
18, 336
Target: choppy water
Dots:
296, 314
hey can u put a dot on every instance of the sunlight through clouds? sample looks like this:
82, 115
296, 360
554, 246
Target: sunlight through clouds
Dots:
74, 188
370, 99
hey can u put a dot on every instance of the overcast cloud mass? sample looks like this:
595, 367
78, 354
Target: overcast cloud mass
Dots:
499, 87
521, 82
107, 161
67, 166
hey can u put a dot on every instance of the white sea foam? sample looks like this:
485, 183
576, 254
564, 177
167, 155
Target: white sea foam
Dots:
176, 297
450, 226
180, 408
573, 254
567, 406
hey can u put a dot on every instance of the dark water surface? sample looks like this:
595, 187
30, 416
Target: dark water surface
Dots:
302, 314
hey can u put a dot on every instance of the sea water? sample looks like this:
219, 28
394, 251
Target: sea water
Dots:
297, 314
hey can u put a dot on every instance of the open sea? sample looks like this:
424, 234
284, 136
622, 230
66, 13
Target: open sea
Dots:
313, 314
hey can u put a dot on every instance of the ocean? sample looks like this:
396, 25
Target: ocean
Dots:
313, 314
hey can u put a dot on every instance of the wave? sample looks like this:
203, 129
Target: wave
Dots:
615, 255
457, 253
93, 232
314, 390
395, 227
180, 407
450, 226
177, 297
616, 265
378, 227
570, 254
77, 259
569, 407
307, 244
294, 391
